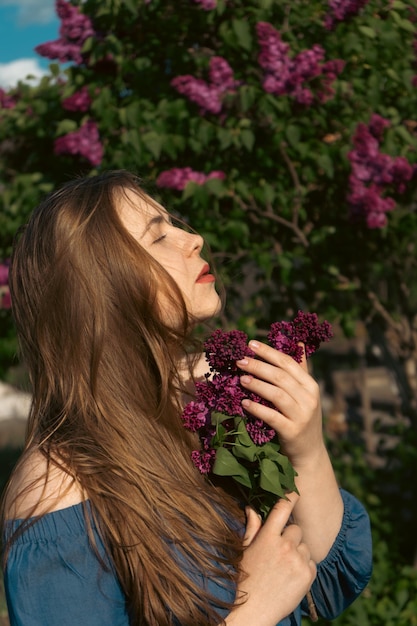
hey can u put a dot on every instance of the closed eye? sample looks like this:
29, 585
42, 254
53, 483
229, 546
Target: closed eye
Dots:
159, 239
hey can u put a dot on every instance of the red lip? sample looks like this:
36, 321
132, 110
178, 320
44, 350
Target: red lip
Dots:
205, 276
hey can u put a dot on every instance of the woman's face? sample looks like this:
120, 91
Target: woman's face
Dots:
177, 250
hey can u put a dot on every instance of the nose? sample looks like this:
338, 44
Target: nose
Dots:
193, 243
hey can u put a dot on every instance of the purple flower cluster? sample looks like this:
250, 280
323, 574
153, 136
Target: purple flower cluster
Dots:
306, 329
223, 393
178, 177
78, 101
293, 76
85, 141
208, 95
372, 173
5, 302
6, 100
207, 5
341, 10
224, 348
74, 30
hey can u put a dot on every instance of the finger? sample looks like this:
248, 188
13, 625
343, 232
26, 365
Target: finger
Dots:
277, 358
253, 524
281, 511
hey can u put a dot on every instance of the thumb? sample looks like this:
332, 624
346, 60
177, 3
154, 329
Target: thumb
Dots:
253, 524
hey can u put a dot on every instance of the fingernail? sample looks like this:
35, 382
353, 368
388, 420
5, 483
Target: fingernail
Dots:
242, 362
253, 344
245, 379
246, 403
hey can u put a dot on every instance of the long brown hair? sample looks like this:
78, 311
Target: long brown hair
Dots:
105, 377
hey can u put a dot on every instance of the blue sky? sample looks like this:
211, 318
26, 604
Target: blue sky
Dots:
23, 25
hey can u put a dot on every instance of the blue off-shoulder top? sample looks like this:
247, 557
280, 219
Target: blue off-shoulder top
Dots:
53, 576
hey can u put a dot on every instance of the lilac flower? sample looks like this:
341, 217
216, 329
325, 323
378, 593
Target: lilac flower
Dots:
203, 460
75, 29
221, 74
195, 416
229, 394
377, 126
306, 329
341, 10
179, 177
5, 299
292, 76
6, 100
223, 348
4, 273
207, 5
367, 203
208, 95
85, 141
78, 101
373, 172
206, 392
259, 432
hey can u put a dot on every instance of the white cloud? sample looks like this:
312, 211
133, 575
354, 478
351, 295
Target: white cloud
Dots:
32, 11
11, 73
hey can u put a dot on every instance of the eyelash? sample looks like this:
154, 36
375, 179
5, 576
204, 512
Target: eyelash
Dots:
159, 239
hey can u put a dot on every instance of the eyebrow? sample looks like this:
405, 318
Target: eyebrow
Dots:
156, 219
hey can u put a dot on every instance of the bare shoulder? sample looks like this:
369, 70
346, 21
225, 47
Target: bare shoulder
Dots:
38, 487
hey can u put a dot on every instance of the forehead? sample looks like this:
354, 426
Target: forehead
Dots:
137, 210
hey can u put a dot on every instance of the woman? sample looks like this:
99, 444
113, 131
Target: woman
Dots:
107, 522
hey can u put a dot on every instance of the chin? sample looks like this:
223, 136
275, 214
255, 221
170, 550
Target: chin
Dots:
206, 312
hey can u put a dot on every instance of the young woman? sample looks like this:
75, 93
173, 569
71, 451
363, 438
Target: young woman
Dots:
106, 520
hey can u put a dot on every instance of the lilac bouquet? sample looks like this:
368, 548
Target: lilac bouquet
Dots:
234, 443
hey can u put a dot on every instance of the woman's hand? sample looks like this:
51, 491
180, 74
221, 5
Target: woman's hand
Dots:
277, 568
295, 395
298, 421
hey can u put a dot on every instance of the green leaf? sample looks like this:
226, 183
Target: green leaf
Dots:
368, 32
216, 186
226, 464
292, 133
248, 139
326, 164
244, 447
154, 142
66, 126
242, 32
270, 479
218, 418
